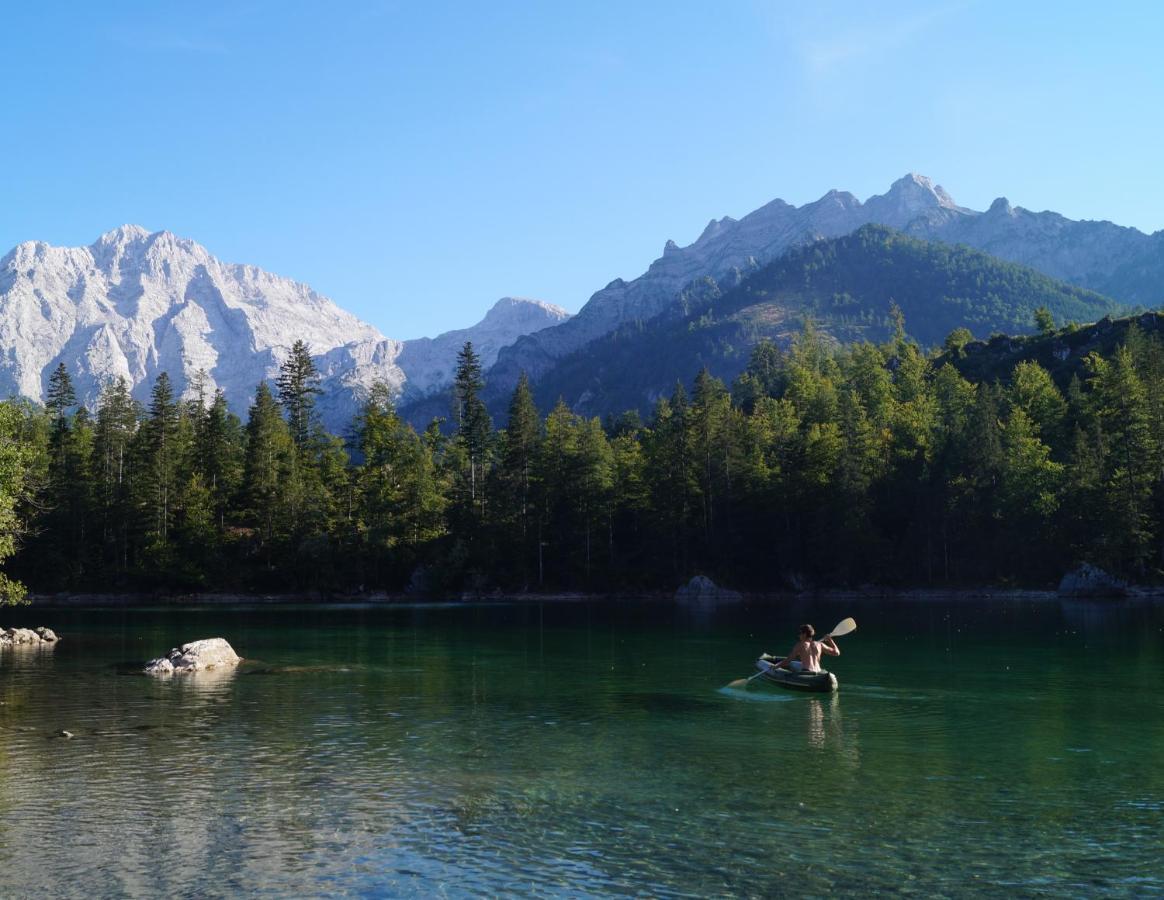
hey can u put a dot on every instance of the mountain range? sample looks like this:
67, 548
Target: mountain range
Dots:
846, 286
134, 303
1122, 263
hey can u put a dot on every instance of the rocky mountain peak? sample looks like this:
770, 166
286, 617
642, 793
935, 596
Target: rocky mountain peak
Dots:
915, 193
121, 235
511, 309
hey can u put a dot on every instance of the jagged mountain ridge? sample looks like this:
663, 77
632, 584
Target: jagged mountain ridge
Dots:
1123, 263
136, 303
845, 285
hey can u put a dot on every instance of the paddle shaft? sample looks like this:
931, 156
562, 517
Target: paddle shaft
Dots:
845, 626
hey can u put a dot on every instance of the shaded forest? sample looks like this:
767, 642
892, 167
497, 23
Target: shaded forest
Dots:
818, 466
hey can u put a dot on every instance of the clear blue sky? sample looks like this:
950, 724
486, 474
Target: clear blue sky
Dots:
415, 161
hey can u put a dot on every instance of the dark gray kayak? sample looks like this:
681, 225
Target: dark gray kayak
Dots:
822, 682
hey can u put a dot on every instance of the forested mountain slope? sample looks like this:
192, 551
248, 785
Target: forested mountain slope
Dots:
846, 286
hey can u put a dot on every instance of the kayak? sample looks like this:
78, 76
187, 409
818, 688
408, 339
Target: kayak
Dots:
822, 682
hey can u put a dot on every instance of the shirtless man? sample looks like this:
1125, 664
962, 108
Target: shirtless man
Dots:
805, 656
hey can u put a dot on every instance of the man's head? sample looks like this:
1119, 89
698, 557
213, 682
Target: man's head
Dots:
807, 632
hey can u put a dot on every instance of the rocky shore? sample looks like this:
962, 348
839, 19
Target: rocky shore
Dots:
777, 596
196, 656
27, 637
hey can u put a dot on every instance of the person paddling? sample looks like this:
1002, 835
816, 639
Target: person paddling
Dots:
805, 655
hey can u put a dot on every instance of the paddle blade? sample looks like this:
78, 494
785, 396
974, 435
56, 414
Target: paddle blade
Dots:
739, 683
847, 626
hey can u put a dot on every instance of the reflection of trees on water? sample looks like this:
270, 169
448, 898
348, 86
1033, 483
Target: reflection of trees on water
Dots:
558, 746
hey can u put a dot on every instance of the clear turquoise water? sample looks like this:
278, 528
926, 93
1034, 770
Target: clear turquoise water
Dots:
997, 748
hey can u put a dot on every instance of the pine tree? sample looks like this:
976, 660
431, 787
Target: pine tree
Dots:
59, 401
516, 473
298, 386
594, 480
472, 418
711, 448
161, 457
1121, 405
1033, 391
219, 440
269, 454
118, 415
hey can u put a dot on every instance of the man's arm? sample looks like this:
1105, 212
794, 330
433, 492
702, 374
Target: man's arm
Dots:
829, 646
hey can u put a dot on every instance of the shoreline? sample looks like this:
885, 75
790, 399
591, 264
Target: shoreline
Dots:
767, 598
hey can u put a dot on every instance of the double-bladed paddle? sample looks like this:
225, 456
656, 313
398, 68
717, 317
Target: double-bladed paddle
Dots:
845, 626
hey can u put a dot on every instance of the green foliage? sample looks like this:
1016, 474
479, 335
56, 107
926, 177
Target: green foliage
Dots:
17, 446
1044, 321
298, 386
873, 285
822, 465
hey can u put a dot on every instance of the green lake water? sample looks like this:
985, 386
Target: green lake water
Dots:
999, 747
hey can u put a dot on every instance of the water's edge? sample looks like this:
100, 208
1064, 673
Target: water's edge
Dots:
919, 595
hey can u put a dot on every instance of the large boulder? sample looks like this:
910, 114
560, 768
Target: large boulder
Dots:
27, 637
197, 656
1091, 581
702, 591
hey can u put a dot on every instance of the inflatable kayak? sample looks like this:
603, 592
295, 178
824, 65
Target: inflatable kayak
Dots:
822, 682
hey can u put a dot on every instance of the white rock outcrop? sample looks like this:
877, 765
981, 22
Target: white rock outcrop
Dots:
1088, 581
702, 591
134, 304
196, 656
27, 637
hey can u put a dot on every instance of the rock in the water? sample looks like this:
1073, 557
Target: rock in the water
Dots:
703, 591
197, 656
1091, 581
27, 637
160, 666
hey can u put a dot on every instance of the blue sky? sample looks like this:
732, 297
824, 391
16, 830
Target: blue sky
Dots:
416, 161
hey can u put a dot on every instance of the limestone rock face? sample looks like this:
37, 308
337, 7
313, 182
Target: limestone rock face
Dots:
702, 591
27, 637
196, 656
1091, 581
134, 304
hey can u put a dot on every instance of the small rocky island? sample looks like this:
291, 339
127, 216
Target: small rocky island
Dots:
196, 656
702, 591
27, 637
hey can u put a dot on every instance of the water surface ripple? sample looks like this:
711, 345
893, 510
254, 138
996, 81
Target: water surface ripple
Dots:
587, 750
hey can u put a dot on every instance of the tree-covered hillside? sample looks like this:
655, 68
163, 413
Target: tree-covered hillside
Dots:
822, 465
847, 286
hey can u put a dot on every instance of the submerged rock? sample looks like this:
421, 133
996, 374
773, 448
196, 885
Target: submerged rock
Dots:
24, 637
1091, 581
196, 656
702, 590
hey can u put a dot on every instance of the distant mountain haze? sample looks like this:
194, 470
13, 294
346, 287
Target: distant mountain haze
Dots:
134, 303
1122, 263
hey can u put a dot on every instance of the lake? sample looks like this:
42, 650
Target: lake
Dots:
1007, 746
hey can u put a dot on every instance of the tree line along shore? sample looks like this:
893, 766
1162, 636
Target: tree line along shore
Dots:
821, 466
